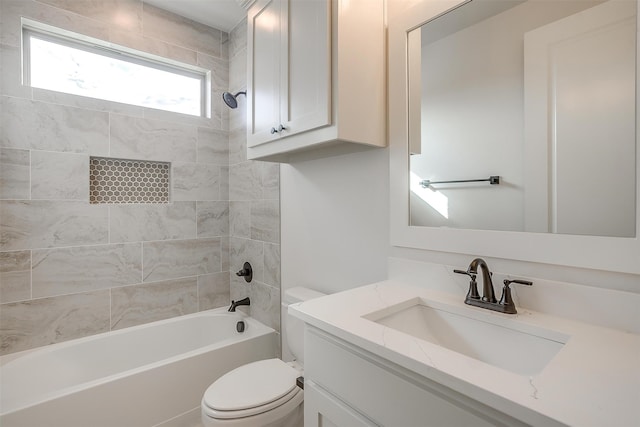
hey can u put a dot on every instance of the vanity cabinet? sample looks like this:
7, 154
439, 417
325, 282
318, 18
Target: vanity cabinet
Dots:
348, 386
322, 409
316, 76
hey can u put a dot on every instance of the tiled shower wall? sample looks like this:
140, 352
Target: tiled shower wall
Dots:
70, 269
254, 203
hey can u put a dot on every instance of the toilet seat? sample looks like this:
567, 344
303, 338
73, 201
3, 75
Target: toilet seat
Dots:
252, 389
295, 396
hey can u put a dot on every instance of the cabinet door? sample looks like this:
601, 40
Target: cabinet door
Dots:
264, 57
306, 71
388, 394
323, 410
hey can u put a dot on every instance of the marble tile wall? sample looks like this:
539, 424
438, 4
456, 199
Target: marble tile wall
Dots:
254, 203
70, 269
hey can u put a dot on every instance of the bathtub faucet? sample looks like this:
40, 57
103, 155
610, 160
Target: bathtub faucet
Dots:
234, 304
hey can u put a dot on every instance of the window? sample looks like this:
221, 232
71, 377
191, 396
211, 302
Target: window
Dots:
83, 66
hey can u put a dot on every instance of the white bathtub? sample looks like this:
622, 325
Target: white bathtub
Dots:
135, 377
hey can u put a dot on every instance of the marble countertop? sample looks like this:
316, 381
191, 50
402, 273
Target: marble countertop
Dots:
594, 380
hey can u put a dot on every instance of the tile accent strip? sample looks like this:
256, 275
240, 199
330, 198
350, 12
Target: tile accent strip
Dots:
120, 181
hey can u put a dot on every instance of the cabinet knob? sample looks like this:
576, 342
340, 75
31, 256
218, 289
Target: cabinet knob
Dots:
279, 129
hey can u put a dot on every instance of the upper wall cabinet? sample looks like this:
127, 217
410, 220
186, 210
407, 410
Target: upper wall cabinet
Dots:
316, 77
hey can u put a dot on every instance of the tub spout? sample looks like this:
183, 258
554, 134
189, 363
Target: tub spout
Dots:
234, 304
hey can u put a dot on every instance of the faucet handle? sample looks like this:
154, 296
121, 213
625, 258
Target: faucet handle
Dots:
507, 282
468, 273
246, 272
472, 293
506, 299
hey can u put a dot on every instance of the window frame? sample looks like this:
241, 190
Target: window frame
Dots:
99, 47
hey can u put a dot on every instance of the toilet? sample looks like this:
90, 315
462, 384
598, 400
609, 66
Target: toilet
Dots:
262, 393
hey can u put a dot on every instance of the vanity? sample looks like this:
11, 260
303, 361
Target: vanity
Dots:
391, 354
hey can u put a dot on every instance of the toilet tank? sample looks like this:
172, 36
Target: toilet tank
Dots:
294, 328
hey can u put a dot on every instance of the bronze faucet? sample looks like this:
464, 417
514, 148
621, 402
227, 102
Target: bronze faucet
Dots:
488, 299
234, 304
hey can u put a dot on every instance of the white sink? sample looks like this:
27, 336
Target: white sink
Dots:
505, 343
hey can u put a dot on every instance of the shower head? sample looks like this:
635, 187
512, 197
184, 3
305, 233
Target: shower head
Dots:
231, 100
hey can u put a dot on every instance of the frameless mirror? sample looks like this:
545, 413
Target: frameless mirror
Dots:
522, 117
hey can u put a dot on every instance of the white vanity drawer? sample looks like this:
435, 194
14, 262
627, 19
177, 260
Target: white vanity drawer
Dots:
387, 394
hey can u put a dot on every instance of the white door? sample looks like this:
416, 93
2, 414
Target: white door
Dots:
306, 73
580, 143
264, 58
289, 64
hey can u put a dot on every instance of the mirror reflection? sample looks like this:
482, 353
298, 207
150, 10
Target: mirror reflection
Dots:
529, 107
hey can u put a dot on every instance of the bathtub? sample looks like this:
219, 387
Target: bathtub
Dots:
134, 377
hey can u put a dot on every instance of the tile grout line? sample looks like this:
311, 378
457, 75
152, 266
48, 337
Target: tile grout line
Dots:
31, 275
109, 225
110, 309
109, 114
30, 177
142, 262
68, 294
30, 250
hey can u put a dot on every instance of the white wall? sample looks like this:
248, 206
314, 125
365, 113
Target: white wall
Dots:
335, 221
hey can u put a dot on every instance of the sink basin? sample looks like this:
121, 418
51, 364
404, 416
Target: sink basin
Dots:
505, 343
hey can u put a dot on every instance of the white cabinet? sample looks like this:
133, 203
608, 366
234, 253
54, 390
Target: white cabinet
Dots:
321, 409
348, 383
289, 59
316, 76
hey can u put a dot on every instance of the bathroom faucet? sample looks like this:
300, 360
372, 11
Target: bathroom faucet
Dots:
488, 299
488, 294
234, 304
487, 284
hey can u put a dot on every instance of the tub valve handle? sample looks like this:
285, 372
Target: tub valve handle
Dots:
246, 272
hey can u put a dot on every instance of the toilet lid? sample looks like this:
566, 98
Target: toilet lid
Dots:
252, 385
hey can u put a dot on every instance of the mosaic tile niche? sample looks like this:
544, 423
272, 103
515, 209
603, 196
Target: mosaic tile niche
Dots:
120, 181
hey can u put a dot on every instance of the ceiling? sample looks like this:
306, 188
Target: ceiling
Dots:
220, 14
